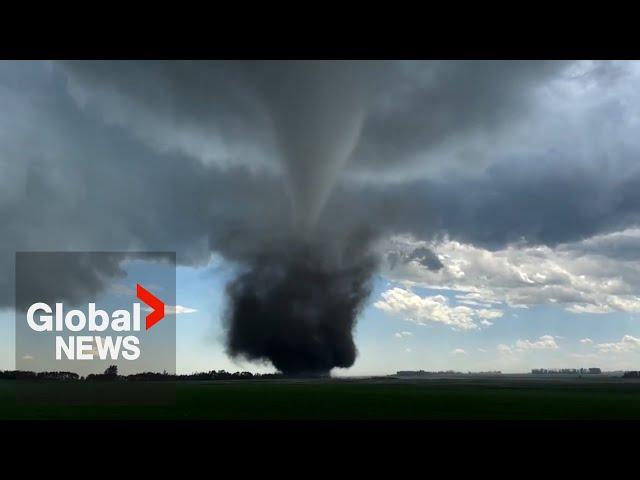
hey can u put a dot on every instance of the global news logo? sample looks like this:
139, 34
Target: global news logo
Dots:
77, 345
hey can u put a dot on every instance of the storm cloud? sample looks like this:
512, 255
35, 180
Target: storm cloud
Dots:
239, 158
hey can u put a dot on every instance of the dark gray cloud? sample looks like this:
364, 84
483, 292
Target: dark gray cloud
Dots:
422, 255
52, 277
70, 183
395, 114
426, 105
535, 201
427, 258
303, 118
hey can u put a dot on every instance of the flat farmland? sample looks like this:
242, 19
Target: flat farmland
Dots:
497, 398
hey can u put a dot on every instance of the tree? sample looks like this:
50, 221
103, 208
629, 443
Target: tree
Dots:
111, 371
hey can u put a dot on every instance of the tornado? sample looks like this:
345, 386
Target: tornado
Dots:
295, 303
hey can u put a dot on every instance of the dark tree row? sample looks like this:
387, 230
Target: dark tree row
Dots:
27, 375
111, 373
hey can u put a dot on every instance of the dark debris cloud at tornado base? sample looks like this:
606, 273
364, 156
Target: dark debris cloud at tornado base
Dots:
298, 309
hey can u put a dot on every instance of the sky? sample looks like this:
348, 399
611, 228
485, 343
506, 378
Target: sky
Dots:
500, 200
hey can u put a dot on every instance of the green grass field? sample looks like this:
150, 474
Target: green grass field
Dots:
344, 400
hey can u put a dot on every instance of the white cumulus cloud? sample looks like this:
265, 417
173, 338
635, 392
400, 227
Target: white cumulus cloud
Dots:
626, 344
174, 309
545, 342
402, 334
404, 303
593, 276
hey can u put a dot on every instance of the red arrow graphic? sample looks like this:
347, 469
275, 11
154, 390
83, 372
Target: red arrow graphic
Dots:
154, 302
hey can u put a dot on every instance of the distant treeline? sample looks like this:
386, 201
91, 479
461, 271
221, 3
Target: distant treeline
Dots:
111, 374
26, 375
423, 373
631, 374
553, 371
212, 375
